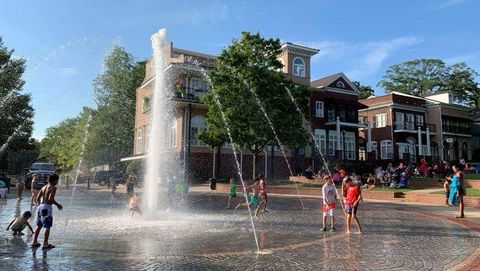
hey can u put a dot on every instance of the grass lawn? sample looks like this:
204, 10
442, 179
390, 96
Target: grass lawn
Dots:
472, 176
471, 192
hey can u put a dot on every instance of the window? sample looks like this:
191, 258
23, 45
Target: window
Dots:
380, 120
147, 138
341, 112
350, 149
375, 149
173, 133
198, 125
331, 112
139, 141
386, 149
340, 84
298, 67
146, 106
419, 119
362, 154
410, 121
198, 85
399, 120
320, 140
351, 114
319, 109
332, 142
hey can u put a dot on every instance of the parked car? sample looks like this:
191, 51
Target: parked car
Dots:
103, 177
43, 170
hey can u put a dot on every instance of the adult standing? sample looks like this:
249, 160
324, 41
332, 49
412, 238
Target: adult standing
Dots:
21, 184
457, 190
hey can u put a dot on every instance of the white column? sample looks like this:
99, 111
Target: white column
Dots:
369, 137
420, 151
338, 134
266, 162
429, 151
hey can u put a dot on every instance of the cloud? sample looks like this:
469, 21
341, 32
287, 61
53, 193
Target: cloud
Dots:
68, 71
361, 59
199, 13
449, 4
461, 58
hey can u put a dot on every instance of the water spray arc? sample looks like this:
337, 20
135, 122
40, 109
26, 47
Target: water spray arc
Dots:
270, 123
77, 174
239, 168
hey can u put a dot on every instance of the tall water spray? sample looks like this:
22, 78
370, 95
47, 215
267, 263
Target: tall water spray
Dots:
158, 150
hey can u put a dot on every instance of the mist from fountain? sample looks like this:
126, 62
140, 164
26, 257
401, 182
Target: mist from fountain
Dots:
10, 138
159, 156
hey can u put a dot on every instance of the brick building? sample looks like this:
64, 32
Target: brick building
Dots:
408, 128
334, 117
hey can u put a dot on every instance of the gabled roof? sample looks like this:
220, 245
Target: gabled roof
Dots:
327, 81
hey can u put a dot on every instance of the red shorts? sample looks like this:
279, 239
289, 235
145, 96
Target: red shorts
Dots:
328, 209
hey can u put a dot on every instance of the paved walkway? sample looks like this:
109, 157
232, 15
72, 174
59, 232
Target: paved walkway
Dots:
95, 232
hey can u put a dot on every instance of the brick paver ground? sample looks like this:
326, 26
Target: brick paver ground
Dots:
95, 232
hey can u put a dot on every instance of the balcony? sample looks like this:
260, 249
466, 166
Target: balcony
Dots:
456, 129
411, 127
188, 94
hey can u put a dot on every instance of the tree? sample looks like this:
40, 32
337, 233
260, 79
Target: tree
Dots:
16, 113
417, 77
365, 91
461, 81
63, 143
248, 69
112, 131
428, 76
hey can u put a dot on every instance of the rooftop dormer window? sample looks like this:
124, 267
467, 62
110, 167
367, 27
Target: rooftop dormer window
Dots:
298, 67
340, 84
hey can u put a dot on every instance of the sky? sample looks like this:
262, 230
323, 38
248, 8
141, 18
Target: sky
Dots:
65, 41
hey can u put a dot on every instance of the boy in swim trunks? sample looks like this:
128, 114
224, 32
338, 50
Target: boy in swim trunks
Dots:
354, 196
262, 187
18, 224
329, 195
46, 198
233, 192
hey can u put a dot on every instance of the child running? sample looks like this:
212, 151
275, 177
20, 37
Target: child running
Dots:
232, 194
329, 195
254, 198
262, 187
18, 224
135, 202
46, 198
354, 195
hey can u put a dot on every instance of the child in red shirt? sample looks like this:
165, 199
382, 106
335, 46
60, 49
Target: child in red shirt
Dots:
354, 196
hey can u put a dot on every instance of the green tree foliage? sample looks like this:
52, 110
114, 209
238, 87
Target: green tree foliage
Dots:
417, 77
365, 91
112, 131
63, 143
461, 81
428, 76
16, 112
251, 65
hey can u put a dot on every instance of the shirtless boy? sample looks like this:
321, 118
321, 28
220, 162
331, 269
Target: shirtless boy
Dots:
46, 198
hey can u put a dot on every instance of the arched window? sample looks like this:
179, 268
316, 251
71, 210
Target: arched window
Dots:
139, 141
173, 133
340, 84
198, 124
298, 67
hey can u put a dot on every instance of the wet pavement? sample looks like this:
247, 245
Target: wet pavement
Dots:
96, 232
